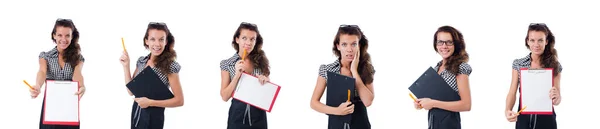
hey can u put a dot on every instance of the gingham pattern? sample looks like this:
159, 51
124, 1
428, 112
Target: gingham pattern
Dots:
525, 62
229, 66
333, 67
450, 78
54, 71
141, 65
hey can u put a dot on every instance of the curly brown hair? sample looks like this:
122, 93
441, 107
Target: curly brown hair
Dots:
549, 58
168, 56
365, 68
72, 53
257, 56
460, 55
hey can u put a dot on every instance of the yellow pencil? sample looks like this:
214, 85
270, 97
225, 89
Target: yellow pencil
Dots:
244, 55
348, 95
27, 84
522, 110
123, 43
413, 97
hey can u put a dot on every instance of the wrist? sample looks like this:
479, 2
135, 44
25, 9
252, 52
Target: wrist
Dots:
152, 102
435, 103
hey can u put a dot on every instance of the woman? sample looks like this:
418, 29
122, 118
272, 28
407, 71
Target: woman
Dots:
64, 62
246, 39
147, 113
540, 42
449, 43
350, 46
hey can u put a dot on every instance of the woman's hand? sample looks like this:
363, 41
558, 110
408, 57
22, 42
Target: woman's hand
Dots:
263, 79
555, 96
417, 105
144, 102
354, 65
125, 59
511, 116
344, 109
81, 91
35, 91
427, 103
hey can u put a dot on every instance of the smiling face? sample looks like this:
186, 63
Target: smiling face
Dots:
246, 40
62, 37
445, 44
156, 41
348, 46
537, 42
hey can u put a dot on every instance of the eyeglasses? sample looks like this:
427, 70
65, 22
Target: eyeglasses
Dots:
247, 23
157, 23
536, 24
344, 25
62, 20
447, 42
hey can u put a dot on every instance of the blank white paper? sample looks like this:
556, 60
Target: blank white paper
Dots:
62, 105
535, 90
250, 90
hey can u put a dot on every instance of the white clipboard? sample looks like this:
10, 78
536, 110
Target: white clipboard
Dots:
535, 88
250, 91
61, 105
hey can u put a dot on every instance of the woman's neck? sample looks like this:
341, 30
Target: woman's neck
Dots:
345, 64
535, 59
151, 60
444, 61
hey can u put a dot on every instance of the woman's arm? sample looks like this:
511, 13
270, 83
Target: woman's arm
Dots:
365, 92
41, 75
316, 104
129, 77
177, 100
227, 86
464, 104
512, 92
78, 77
557, 86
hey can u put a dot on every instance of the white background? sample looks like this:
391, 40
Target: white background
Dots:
298, 38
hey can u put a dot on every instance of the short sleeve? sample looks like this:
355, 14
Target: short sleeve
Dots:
81, 58
373, 68
224, 65
560, 68
175, 67
140, 61
515, 64
43, 55
465, 68
323, 71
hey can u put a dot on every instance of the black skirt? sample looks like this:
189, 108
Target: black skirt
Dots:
244, 116
443, 119
359, 119
528, 121
147, 118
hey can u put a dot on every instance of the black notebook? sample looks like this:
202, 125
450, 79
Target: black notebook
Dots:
148, 84
431, 85
337, 92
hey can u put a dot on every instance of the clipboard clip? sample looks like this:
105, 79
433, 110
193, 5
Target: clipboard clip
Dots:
536, 70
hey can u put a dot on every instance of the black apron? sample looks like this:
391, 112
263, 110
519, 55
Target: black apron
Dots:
529, 121
243, 116
443, 119
360, 118
147, 118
